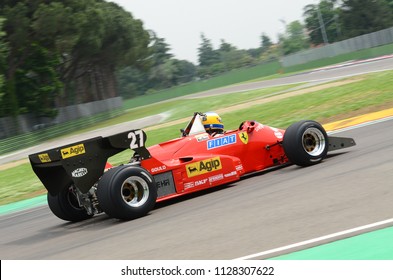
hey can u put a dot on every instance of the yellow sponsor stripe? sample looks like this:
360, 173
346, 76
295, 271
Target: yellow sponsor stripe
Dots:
358, 120
72, 151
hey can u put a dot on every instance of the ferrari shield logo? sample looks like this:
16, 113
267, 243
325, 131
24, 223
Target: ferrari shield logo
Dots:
243, 137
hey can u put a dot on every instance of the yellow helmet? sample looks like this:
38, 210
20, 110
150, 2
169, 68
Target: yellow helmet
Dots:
212, 122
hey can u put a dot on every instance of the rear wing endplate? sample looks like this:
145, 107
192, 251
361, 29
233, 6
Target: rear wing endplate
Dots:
83, 163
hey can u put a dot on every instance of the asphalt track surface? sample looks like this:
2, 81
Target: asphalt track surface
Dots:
351, 188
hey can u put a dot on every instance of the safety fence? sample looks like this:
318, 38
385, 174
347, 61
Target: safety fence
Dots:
366, 41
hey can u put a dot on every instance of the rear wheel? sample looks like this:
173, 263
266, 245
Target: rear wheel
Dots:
66, 207
305, 143
126, 192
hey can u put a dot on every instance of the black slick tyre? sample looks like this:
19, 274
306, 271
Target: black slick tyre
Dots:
126, 192
305, 143
66, 207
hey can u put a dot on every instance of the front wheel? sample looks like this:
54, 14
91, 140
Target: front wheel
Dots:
126, 192
305, 143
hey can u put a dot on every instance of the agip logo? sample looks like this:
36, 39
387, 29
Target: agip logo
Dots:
72, 151
44, 158
203, 166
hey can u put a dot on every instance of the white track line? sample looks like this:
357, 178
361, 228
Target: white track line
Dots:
315, 240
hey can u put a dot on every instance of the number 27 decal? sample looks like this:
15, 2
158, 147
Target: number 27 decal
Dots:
137, 139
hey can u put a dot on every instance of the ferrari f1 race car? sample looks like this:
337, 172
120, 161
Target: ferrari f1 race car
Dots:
81, 183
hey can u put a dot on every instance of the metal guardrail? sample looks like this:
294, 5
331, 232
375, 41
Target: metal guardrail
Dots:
366, 41
29, 139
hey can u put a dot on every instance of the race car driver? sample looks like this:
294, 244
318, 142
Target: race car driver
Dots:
212, 123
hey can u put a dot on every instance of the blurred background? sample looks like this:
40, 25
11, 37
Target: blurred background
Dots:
67, 65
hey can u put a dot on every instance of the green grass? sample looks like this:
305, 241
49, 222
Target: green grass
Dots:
371, 91
19, 183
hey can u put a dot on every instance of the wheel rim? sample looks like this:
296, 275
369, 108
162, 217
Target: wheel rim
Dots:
313, 141
135, 191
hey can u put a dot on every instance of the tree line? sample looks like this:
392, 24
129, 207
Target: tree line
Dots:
58, 53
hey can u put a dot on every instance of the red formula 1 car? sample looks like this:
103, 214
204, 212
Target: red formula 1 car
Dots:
80, 182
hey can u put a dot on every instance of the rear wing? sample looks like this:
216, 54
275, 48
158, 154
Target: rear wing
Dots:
83, 163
